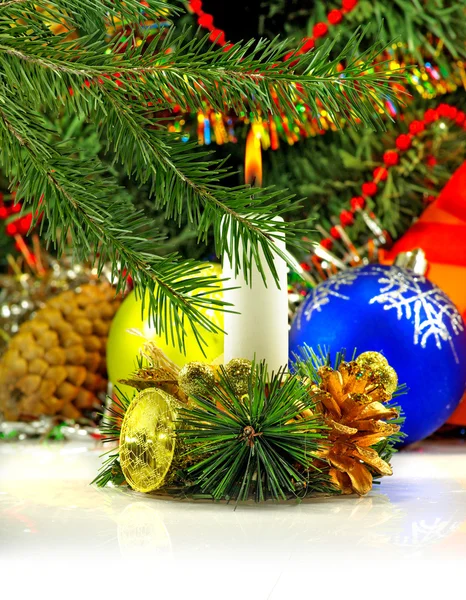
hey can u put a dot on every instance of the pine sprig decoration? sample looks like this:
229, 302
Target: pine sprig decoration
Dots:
256, 444
321, 430
115, 86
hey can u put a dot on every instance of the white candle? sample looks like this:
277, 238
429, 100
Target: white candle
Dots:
260, 330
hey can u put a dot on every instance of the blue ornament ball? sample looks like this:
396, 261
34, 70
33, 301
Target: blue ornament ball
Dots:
404, 316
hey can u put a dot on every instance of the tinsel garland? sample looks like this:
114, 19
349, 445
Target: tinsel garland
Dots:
428, 80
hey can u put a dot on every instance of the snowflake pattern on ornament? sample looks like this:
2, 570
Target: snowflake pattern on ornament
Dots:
322, 293
432, 310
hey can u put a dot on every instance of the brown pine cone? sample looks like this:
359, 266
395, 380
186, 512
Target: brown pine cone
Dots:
55, 364
351, 400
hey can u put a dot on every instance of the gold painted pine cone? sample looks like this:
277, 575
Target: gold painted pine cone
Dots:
55, 364
352, 400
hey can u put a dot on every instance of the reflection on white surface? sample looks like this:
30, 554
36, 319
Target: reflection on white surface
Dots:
47, 506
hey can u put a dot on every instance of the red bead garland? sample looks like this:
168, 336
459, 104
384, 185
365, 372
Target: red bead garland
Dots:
369, 188
392, 157
403, 142
218, 36
19, 225
416, 127
335, 233
320, 30
349, 4
326, 243
431, 115
335, 16
357, 202
11, 229
346, 218
380, 174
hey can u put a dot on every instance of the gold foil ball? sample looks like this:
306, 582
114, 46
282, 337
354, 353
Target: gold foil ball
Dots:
372, 360
239, 371
388, 378
195, 378
147, 439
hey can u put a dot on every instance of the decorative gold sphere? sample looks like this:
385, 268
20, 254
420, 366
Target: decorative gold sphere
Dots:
371, 360
195, 378
388, 378
147, 439
239, 371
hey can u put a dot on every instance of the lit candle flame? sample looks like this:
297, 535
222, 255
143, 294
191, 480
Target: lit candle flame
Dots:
253, 159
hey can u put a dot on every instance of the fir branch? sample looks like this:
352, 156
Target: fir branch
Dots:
427, 29
229, 79
104, 229
43, 71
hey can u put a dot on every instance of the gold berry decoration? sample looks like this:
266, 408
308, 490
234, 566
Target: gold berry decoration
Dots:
238, 371
378, 365
195, 378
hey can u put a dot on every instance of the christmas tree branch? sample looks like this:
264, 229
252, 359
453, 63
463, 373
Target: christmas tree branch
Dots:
116, 87
109, 230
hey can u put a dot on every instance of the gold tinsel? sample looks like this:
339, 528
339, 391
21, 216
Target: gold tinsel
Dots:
147, 439
352, 400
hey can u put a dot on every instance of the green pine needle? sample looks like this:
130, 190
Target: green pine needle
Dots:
110, 427
252, 445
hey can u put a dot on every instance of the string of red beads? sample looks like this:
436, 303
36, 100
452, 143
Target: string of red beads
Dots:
390, 159
218, 36
20, 225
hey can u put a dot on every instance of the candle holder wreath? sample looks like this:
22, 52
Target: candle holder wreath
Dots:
235, 432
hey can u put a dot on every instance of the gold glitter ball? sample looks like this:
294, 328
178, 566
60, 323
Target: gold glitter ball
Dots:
388, 378
239, 371
147, 439
195, 378
372, 360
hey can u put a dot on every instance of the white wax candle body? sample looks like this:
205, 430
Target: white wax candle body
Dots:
260, 331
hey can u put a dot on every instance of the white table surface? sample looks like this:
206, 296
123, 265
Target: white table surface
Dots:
49, 512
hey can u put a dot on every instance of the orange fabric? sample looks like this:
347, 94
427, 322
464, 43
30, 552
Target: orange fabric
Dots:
453, 196
434, 214
443, 243
441, 233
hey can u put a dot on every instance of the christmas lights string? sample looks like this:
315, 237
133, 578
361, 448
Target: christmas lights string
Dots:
219, 127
